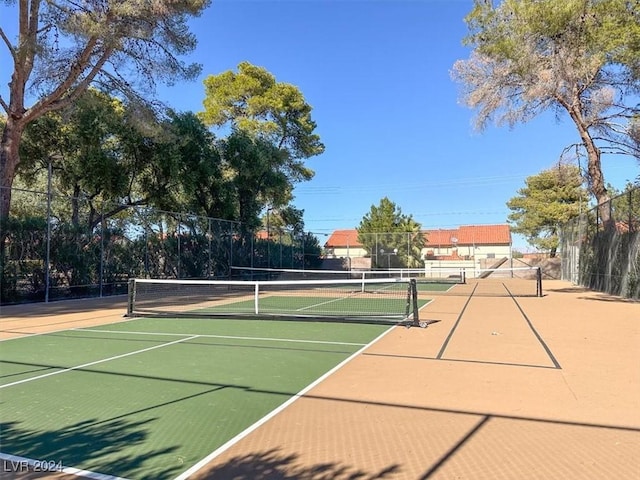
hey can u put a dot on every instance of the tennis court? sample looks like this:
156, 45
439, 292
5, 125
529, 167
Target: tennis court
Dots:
148, 398
496, 387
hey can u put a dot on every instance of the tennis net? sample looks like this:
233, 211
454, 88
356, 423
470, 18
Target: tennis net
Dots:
490, 282
431, 280
512, 281
390, 300
436, 275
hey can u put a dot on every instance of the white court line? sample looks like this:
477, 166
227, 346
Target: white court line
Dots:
231, 337
18, 463
346, 297
202, 463
301, 309
97, 362
37, 334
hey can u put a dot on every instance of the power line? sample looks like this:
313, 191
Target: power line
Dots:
430, 214
468, 182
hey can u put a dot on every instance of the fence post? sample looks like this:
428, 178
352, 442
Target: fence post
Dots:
178, 232
630, 208
102, 233
253, 248
208, 236
408, 250
231, 248
47, 272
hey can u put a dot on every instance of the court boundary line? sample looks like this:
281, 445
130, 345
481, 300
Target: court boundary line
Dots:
230, 337
464, 360
535, 332
67, 329
231, 442
447, 340
538, 337
17, 461
75, 299
337, 299
96, 362
348, 297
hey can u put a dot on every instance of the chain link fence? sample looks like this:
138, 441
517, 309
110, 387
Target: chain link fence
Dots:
605, 256
55, 247
393, 250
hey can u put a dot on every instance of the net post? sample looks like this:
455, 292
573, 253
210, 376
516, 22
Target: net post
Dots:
256, 295
130, 296
413, 286
407, 307
539, 282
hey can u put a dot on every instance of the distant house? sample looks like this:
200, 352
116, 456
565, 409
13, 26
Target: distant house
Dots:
468, 242
343, 244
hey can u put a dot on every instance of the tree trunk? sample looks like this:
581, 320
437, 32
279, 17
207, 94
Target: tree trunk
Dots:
75, 206
9, 159
598, 188
594, 166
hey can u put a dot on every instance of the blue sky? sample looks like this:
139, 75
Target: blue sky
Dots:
377, 75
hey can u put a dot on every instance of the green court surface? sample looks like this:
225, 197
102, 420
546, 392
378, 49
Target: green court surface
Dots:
148, 398
309, 305
434, 287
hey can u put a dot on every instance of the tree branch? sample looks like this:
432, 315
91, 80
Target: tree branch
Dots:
6, 41
4, 105
57, 98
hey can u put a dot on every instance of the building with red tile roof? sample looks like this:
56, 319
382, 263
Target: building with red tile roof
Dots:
466, 242
262, 235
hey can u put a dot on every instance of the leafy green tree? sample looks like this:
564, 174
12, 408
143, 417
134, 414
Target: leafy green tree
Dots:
187, 157
284, 219
259, 174
63, 47
82, 144
253, 102
292, 217
391, 238
548, 200
576, 56
271, 134
110, 156
97, 154
312, 251
625, 206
